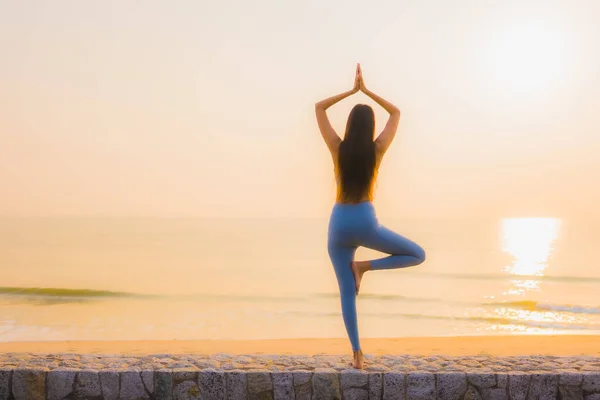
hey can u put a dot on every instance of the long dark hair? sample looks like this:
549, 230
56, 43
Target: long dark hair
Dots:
356, 157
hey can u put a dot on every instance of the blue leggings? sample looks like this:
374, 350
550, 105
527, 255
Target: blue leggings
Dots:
354, 225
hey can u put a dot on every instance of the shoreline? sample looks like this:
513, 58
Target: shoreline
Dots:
505, 345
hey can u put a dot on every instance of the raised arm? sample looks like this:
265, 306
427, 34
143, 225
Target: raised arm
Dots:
386, 136
329, 135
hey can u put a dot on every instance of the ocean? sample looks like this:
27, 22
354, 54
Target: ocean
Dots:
76, 278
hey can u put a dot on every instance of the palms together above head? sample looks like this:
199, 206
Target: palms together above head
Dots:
359, 83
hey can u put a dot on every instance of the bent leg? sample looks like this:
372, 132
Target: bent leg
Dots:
403, 252
342, 257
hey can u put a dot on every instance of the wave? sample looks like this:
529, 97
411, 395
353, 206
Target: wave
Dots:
50, 295
397, 297
507, 277
481, 319
63, 293
531, 305
59, 292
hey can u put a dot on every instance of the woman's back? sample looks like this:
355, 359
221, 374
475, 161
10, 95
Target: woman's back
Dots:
369, 190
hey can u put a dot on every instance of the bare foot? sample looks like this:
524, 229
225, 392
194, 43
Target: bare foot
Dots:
359, 360
358, 269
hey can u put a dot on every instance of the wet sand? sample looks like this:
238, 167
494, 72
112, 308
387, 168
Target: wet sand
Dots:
550, 345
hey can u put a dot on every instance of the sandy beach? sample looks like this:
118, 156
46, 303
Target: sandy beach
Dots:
559, 345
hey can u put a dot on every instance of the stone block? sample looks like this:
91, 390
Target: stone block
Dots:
186, 390
212, 384
283, 385
302, 384
163, 384
472, 394
5, 375
543, 386
132, 387
481, 380
260, 385
109, 381
87, 384
236, 385
185, 374
375, 386
451, 385
353, 378
570, 379
148, 380
28, 384
494, 393
502, 381
590, 381
355, 393
420, 386
518, 385
569, 392
59, 383
394, 386
326, 384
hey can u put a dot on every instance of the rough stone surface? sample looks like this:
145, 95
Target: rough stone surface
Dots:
283, 385
568, 392
148, 381
543, 386
352, 378
355, 393
591, 382
185, 374
109, 381
132, 387
451, 386
260, 385
236, 385
87, 384
212, 385
375, 386
272, 377
482, 380
502, 380
186, 390
59, 384
518, 385
394, 386
29, 384
472, 394
420, 386
326, 384
494, 393
163, 384
302, 384
570, 379
5, 389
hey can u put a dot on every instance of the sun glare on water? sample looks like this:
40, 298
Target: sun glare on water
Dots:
529, 241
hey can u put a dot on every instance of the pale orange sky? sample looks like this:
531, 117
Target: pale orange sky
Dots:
206, 108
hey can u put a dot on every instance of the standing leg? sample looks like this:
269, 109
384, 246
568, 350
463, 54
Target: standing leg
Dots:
403, 252
341, 258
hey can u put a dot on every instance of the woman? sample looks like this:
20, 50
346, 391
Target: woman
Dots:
353, 221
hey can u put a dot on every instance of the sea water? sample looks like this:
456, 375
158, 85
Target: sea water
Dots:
75, 278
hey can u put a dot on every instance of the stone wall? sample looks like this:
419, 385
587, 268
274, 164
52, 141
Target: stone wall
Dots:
55, 377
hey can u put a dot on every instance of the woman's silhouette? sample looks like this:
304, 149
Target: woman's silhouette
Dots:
353, 221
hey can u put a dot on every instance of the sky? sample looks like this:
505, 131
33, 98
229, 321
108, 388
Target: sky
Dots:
205, 109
